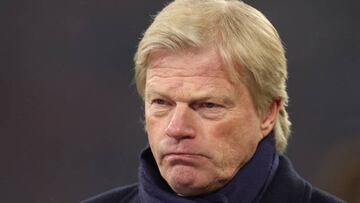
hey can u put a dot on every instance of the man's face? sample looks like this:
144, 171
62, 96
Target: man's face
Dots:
202, 128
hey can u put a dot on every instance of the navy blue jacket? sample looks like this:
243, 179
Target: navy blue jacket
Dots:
267, 177
286, 187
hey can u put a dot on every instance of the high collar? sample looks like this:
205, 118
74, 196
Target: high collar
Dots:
246, 186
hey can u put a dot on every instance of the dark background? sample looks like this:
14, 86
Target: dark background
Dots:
70, 119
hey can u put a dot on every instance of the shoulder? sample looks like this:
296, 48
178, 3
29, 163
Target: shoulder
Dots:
320, 196
125, 194
288, 186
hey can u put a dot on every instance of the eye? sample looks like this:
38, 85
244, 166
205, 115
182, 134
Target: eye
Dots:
209, 105
210, 110
159, 101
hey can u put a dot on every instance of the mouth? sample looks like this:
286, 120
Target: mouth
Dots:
183, 158
185, 154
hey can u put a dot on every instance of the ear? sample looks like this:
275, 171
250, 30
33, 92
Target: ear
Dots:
269, 118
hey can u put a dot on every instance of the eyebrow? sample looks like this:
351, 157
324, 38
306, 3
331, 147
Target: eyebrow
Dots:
202, 96
153, 92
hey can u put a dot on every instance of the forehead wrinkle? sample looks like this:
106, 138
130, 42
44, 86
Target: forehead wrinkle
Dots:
183, 81
188, 91
169, 64
207, 80
200, 74
185, 72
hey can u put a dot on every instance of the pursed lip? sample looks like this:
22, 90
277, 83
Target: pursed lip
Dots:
183, 155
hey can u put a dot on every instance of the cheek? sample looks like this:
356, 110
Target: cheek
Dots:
229, 131
152, 128
234, 141
154, 135
155, 129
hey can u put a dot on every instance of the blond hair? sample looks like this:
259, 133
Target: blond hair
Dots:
247, 42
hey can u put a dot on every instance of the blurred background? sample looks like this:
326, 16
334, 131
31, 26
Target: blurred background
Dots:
70, 119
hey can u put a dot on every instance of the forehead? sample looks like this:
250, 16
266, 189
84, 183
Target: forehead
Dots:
187, 62
188, 74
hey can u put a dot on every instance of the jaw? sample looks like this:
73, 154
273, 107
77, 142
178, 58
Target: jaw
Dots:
190, 181
182, 179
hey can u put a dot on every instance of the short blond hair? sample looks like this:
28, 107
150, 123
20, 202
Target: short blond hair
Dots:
246, 41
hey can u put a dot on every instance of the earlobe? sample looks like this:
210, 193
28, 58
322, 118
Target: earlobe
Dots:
269, 119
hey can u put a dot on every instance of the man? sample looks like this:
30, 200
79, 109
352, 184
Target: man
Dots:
212, 77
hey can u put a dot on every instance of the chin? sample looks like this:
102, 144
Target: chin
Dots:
185, 181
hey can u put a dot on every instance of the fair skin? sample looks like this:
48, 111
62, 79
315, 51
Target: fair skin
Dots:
202, 128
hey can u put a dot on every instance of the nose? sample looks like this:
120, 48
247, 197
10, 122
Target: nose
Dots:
181, 124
